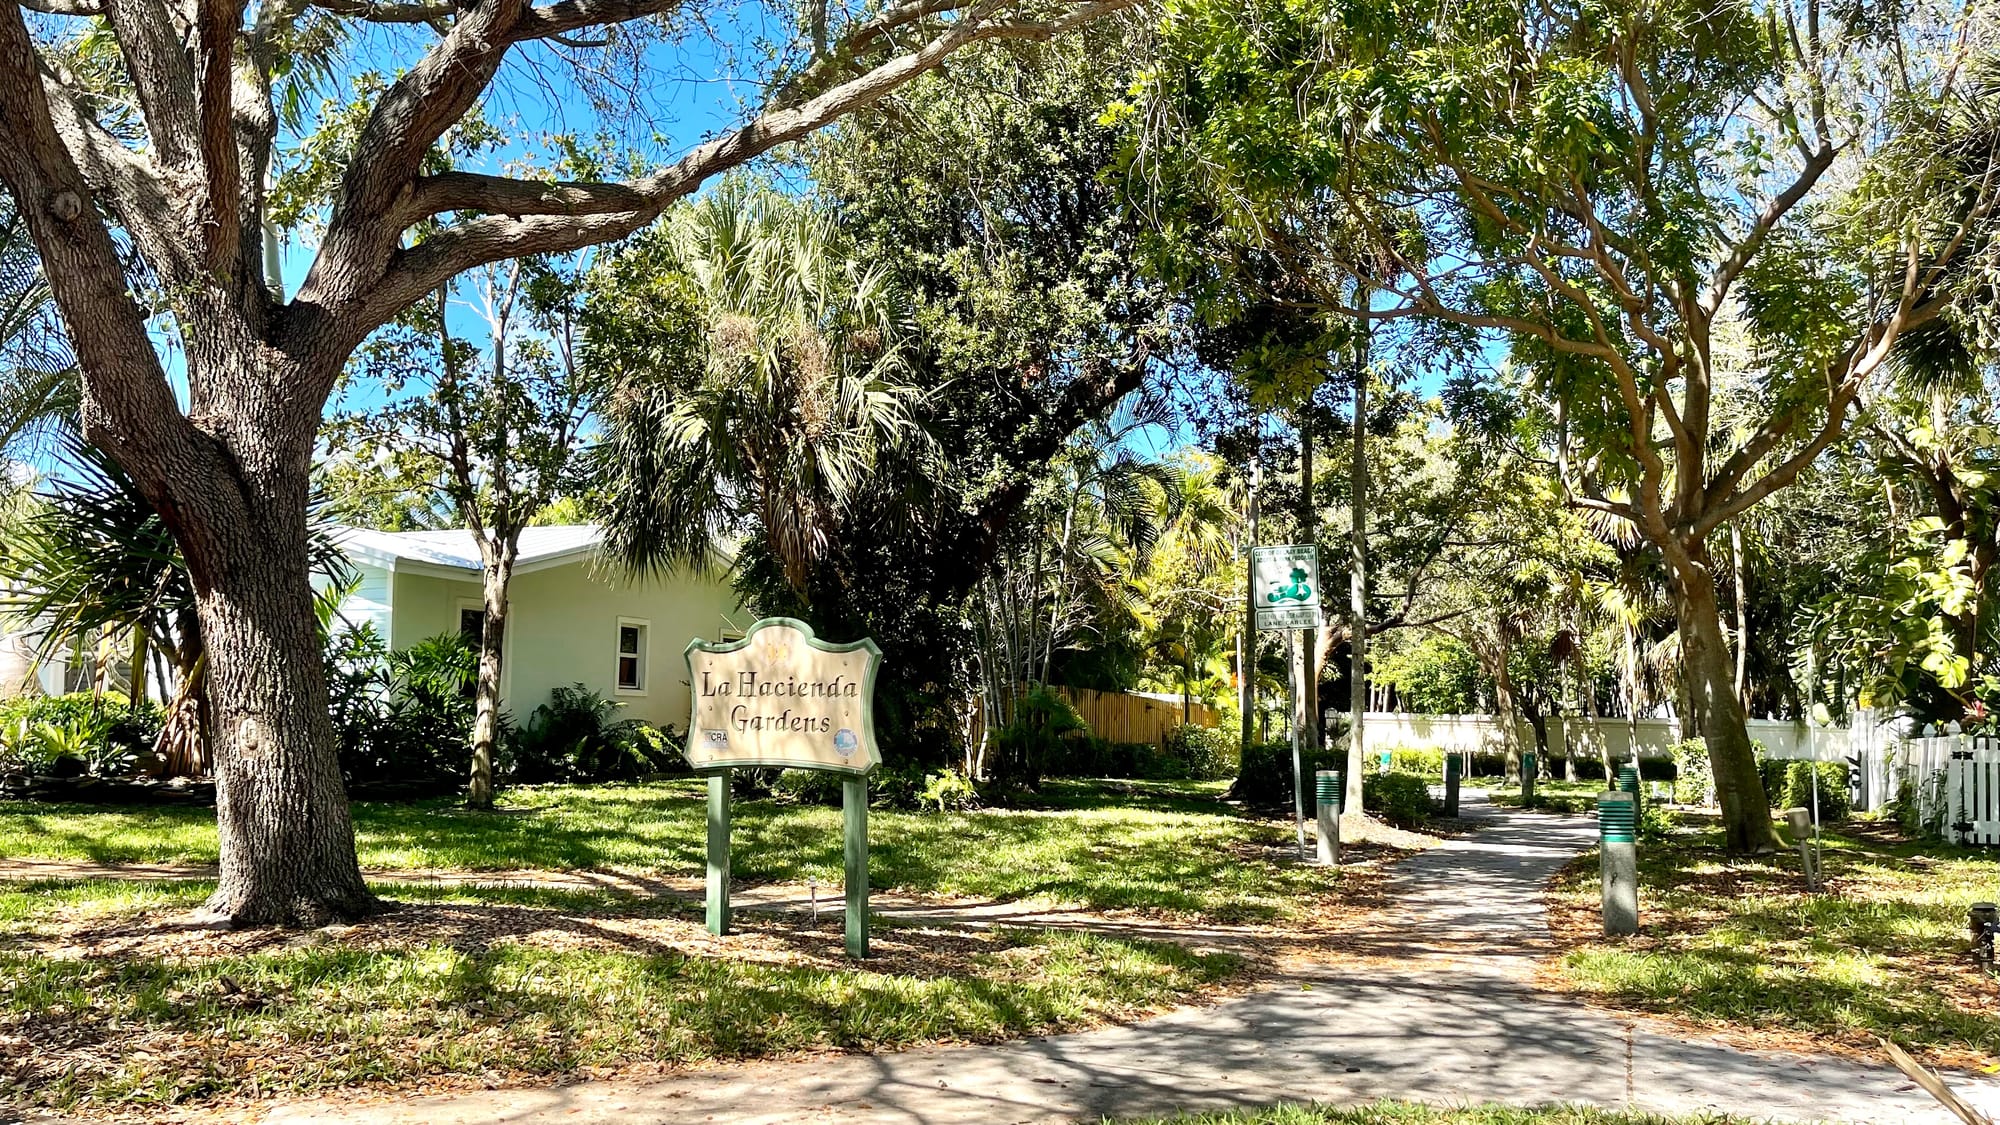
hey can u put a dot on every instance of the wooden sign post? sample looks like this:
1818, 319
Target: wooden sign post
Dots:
782, 698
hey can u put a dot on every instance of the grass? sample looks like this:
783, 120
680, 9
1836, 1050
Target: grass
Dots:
1738, 944
1406, 1113
1166, 848
1564, 797
479, 984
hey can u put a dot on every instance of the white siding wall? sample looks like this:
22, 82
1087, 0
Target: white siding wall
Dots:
371, 602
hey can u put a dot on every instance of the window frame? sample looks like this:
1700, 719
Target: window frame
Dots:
471, 605
644, 655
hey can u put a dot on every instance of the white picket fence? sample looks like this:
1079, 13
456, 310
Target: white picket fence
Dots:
1956, 780
1954, 776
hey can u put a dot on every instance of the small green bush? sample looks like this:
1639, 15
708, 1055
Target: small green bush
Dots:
1029, 748
948, 791
101, 735
1202, 753
1656, 769
1831, 777
1657, 823
1402, 799
1771, 771
1405, 759
1694, 779
576, 737
807, 787
1264, 779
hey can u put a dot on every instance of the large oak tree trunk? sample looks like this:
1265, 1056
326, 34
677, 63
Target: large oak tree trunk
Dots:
287, 844
1709, 674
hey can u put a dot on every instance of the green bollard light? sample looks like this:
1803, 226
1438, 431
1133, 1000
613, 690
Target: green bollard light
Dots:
1330, 789
1528, 779
1618, 861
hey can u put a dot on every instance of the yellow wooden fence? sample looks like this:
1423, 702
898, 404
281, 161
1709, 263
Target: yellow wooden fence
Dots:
1121, 717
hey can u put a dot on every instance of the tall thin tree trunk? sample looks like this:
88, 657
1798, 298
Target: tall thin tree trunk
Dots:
486, 699
1706, 671
1308, 706
1503, 701
1248, 662
1588, 692
136, 681
1742, 614
1357, 603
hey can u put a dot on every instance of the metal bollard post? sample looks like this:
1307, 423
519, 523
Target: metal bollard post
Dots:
1628, 780
1982, 921
1528, 768
1453, 766
1330, 787
1799, 823
1618, 861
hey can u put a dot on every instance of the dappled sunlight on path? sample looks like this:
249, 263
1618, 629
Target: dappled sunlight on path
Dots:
1428, 997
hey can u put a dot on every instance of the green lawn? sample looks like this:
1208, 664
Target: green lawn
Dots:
1562, 797
1404, 1113
1170, 848
1739, 944
483, 984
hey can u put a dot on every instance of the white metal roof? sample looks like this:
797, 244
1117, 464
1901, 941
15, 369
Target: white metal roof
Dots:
457, 550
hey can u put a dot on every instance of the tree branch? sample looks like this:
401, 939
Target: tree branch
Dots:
161, 75
565, 217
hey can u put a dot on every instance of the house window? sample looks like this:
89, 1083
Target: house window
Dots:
471, 625
631, 655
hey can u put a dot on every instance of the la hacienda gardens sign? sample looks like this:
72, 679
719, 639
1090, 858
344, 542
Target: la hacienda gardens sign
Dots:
782, 698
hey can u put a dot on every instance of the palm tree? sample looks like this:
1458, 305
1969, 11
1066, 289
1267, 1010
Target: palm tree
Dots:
85, 556
39, 390
795, 396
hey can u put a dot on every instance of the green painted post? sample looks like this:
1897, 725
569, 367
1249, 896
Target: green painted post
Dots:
1628, 780
1453, 766
1618, 861
1528, 768
854, 817
718, 853
1327, 785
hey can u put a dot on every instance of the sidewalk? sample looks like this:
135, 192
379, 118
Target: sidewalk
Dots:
1455, 1020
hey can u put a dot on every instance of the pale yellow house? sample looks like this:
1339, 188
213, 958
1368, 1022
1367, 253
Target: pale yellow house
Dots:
569, 621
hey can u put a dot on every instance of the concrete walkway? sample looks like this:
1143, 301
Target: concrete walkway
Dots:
1456, 1021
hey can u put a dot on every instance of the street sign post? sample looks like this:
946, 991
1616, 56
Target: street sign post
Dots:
1284, 584
782, 697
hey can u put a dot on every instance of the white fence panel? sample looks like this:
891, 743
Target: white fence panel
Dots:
1972, 790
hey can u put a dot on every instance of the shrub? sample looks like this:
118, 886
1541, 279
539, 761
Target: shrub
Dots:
1587, 767
1264, 779
1201, 753
948, 791
1404, 759
1402, 799
574, 737
79, 733
896, 787
807, 787
1831, 780
1694, 780
1657, 823
1772, 771
1024, 749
